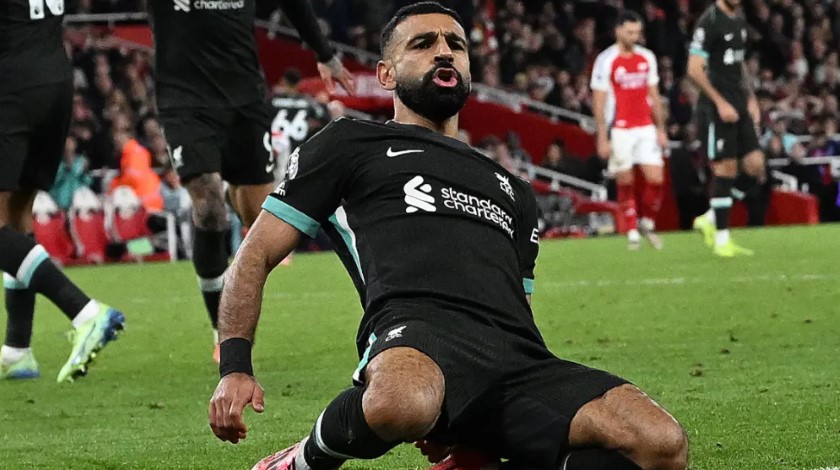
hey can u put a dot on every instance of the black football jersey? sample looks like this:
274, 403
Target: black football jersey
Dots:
722, 40
31, 44
420, 220
205, 53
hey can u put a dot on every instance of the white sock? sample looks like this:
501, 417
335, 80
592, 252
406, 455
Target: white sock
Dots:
215, 336
300, 461
10, 355
722, 237
633, 235
710, 214
90, 311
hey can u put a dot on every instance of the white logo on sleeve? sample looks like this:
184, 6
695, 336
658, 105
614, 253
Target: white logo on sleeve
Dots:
293, 164
269, 167
391, 153
395, 333
417, 196
178, 157
729, 36
504, 183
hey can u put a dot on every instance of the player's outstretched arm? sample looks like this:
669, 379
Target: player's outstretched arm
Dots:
303, 18
268, 242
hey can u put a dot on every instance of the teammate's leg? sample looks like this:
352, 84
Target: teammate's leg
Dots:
16, 357
631, 431
210, 254
401, 402
753, 172
95, 324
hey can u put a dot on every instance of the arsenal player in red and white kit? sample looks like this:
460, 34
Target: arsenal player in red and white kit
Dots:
630, 121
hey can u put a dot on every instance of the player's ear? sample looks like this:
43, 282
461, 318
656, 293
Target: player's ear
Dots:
386, 74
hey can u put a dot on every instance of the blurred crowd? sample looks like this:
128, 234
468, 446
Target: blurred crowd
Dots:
542, 49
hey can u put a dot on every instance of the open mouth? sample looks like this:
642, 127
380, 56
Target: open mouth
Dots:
445, 77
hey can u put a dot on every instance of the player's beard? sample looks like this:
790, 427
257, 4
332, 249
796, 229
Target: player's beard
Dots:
431, 101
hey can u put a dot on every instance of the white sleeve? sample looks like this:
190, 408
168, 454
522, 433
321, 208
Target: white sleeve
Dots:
601, 72
653, 75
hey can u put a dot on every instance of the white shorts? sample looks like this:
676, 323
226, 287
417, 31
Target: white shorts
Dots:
635, 146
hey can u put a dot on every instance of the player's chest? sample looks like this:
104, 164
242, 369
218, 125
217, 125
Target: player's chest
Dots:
407, 177
630, 73
733, 37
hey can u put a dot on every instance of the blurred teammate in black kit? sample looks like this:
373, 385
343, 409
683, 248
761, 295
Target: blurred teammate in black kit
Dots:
441, 243
211, 95
36, 98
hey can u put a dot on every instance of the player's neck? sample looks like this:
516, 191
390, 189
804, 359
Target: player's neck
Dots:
725, 8
624, 50
404, 115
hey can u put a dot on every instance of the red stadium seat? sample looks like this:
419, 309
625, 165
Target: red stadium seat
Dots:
50, 226
129, 215
87, 223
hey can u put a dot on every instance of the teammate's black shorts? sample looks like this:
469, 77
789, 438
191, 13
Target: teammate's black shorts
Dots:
723, 140
503, 392
235, 142
33, 128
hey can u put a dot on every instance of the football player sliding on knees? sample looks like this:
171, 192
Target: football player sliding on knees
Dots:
441, 244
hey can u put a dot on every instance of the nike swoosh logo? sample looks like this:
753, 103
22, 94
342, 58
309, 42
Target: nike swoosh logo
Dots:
269, 168
392, 154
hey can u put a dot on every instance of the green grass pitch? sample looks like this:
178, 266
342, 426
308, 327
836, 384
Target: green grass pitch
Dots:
744, 352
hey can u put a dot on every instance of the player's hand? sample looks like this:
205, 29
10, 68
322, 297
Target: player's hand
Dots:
727, 112
233, 394
434, 452
604, 148
334, 71
755, 111
662, 140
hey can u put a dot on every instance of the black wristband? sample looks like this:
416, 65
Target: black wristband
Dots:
235, 357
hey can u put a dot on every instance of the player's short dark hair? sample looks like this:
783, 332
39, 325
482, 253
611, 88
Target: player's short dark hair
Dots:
422, 8
627, 16
291, 76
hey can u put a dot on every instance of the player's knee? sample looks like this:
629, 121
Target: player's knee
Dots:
654, 177
624, 177
754, 164
664, 447
405, 415
673, 448
727, 168
209, 210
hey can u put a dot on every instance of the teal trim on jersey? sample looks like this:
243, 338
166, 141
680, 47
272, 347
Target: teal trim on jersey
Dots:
699, 52
294, 217
528, 285
357, 375
27, 276
711, 146
348, 236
